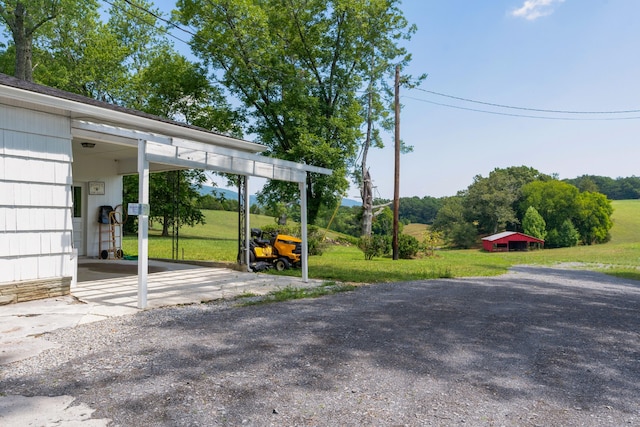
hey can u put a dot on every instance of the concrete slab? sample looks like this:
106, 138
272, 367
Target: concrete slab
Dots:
46, 411
107, 288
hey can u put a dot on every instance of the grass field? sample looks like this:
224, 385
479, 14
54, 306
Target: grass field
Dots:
217, 240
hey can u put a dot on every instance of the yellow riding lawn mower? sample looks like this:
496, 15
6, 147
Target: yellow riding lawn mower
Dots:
276, 250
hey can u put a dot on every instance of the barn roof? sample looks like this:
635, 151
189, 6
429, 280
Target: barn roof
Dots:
504, 234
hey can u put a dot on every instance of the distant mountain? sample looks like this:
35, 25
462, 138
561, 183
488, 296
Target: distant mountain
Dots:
228, 194
253, 199
350, 203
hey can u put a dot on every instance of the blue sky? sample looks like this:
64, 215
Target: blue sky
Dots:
573, 55
578, 55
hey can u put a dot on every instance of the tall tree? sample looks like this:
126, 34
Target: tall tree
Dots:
26, 20
382, 31
593, 219
296, 67
533, 224
173, 197
171, 86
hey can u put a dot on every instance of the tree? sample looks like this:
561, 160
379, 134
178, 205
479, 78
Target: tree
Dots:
87, 57
493, 201
554, 200
615, 189
431, 240
173, 197
593, 220
533, 224
463, 235
419, 210
295, 66
383, 223
28, 19
588, 213
173, 87
451, 221
382, 54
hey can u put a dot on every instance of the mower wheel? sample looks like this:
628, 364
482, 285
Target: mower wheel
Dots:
281, 264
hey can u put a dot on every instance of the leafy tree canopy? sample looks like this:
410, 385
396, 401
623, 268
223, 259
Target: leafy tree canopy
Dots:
296, 68
492, 202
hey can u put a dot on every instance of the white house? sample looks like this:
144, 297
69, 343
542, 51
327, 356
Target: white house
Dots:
62, 156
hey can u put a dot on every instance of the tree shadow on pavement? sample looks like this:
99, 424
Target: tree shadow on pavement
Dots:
567, 338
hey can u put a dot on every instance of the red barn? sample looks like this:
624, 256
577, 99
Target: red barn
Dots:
510, 241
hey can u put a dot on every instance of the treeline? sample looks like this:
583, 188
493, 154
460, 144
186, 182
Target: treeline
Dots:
563, 213
523, 199
615, 189
515, 199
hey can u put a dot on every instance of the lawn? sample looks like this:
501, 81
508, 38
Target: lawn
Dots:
217, 240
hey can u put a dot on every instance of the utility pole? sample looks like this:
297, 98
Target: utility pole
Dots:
396, 184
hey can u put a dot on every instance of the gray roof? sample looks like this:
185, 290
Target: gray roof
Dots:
57, 93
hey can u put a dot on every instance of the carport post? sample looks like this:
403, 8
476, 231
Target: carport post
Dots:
247, 223
303, 231
143, 223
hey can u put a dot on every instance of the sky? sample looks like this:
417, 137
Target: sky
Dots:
573, 55
562, 55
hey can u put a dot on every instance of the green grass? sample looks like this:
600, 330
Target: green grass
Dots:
217, 241
290, 292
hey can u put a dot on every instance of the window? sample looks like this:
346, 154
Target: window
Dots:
77, 202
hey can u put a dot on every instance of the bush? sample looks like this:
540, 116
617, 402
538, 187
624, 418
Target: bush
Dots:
463, 235
315, 239
431, 241
566, 236
408, 246
372, 246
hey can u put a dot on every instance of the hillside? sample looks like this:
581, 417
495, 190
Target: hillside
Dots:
626, 221
253, 199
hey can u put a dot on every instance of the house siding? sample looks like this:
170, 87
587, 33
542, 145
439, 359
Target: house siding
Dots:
35, 195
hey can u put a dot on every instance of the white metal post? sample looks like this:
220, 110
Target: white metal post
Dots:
303, 231
143, 224
247, 223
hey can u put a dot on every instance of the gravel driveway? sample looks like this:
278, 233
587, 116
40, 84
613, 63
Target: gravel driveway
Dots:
535, 347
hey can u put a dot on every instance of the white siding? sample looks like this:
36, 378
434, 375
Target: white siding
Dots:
35, 195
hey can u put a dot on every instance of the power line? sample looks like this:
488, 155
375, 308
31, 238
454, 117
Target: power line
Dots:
161, 18
499, 113
526, 108
539, 110
163, 29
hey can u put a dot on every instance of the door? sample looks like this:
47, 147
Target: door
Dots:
79, 220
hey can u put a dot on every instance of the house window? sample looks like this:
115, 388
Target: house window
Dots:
77, 202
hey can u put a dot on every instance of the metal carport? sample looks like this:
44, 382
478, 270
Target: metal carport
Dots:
184, 153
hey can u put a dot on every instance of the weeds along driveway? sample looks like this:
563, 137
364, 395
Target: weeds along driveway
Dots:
537, 346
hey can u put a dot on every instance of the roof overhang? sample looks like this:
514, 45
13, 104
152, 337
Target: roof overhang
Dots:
81, 108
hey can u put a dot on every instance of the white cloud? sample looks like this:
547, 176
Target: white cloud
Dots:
534, 9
